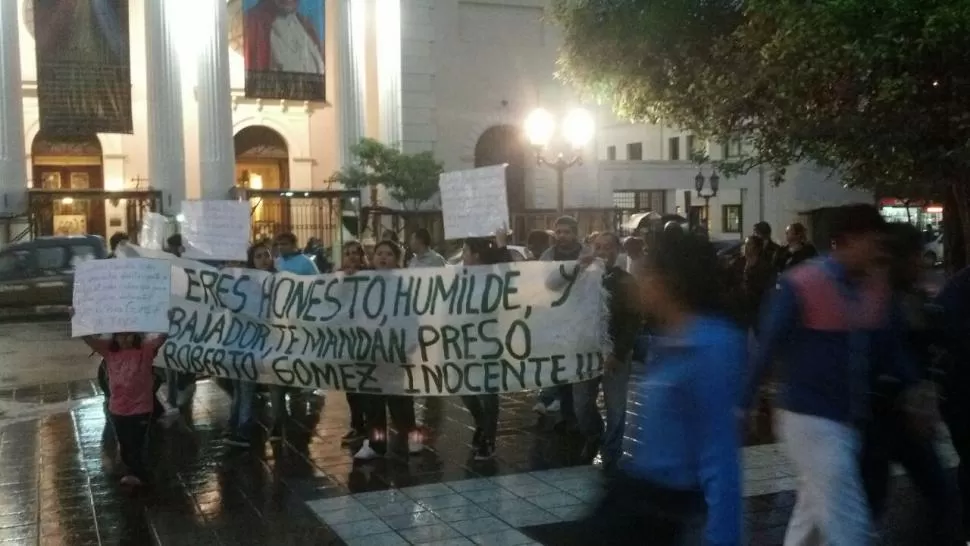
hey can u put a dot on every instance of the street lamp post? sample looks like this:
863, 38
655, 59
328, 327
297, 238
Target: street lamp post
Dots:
577, 129
715, 182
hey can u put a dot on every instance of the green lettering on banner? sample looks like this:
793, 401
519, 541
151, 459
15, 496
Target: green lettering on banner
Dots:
434, 332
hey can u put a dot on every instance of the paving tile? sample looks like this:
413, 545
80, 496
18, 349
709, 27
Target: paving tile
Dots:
419, 492
459, 513
401, 508
570, 513
477, 484
383, 539
553, 500
459, 541
408, 521
444, 501
480, 526
526, 518
429, 533
503, 538
361, 528
347, 515
490, 495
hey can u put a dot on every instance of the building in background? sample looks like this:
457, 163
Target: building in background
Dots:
650, 167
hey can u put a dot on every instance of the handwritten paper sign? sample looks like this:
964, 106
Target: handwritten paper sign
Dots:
216, 230
154, 230
130, 295
416, 332
474, 202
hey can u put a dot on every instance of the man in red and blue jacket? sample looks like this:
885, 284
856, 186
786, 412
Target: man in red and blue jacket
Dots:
832, 325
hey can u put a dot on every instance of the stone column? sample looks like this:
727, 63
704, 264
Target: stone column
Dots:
216, 153
352, 79
389, 71
166, 146
13, 169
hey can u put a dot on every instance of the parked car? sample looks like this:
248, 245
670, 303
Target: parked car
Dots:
40, 272
519, 254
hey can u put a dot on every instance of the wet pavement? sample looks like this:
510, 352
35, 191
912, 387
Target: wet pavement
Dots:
58, 481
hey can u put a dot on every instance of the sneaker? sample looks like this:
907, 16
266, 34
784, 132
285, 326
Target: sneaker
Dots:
132, 481
539, 408
352, 436
237, 440
366, 452
477, 438
485, 453
320, 392
415, 443
553, 407
276, 434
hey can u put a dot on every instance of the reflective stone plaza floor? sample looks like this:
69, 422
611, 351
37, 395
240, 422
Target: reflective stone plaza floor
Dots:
58, 480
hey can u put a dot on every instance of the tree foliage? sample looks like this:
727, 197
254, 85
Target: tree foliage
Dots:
410, 179
877, 90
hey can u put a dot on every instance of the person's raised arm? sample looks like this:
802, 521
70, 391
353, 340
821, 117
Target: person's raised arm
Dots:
778, 318
715, 385
96, 343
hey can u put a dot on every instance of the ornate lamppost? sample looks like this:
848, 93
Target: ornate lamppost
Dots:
577, 129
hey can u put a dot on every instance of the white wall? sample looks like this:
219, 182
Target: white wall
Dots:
470, 65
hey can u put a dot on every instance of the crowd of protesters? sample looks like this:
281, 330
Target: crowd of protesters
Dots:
865, 367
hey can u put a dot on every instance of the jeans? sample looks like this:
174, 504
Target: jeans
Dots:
277, 400
241, 410
131, 432
484, 410
955, 411
831, 507
376, 409
615, 388
358, 406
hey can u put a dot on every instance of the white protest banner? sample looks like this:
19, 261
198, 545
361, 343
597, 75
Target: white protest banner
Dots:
121, 296
216, 230
154, 230
420, 332
474, 203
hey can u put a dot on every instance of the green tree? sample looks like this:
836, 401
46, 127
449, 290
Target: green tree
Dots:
410, 179
876, 90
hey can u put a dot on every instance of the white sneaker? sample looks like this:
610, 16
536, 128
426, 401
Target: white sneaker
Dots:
539, 408
553, 407
415, 447
366, 452
320, 392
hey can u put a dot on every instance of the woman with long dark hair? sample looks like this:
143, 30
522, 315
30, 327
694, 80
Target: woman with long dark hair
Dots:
354, 259
244, 392
680, 482
387, 255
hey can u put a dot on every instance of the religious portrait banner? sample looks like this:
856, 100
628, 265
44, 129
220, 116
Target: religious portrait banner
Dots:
283, 42
83, 66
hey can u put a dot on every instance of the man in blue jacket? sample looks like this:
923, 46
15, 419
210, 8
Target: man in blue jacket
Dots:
824, 322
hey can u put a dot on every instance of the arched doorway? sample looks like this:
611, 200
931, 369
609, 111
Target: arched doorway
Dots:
66, 164
504, 144
263, 165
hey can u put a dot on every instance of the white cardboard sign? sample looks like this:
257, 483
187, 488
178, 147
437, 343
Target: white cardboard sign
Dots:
130, 295
154, 228
216, 230
474, 202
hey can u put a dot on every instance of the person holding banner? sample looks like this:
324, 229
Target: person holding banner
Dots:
387, 256
244, 392
291, 258
625, 323
129, 360
567, 248
354, 260
484, 407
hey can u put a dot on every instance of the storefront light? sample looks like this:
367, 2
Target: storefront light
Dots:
67, 201
934, 210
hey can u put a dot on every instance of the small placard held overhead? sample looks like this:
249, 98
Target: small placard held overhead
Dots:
474, 202
129, 295
216, 230
154, 228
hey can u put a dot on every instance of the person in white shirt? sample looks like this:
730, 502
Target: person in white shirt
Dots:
424, 255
